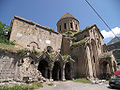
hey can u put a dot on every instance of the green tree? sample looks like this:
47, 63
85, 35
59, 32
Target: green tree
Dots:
4, 33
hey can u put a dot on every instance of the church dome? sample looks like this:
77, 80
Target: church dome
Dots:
67, 15
67, 23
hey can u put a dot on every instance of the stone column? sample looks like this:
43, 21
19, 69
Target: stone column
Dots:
58, 74
46, 72
51, 75
63, 73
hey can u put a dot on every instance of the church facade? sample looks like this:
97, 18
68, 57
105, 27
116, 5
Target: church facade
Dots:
66, 54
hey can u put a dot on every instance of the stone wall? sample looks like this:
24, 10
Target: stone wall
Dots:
34, 36
15, 67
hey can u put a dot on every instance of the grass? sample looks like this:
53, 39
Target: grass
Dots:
36, 52
82, 42
50, 84
82, 80
6, 46
24, 87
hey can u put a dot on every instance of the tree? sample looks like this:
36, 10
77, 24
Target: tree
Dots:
4, 33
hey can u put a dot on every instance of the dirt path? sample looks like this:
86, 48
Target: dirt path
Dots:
70, 85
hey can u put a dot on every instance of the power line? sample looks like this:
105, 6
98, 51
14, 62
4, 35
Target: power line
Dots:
100, 17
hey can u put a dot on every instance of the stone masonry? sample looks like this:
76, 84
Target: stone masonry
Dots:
64, 55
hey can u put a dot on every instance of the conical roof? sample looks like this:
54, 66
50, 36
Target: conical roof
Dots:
67, 15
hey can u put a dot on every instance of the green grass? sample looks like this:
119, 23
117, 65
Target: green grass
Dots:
82, 80
6, 46
24, 87
50, 84
36, 52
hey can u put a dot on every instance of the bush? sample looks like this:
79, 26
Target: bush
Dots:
21, 51
108, 57
36, 52
64, 56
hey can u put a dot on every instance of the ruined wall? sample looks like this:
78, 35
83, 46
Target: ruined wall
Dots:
81, 64
34, 36
18, 68
65, 48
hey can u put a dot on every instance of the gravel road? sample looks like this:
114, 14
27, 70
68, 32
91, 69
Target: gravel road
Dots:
70, 85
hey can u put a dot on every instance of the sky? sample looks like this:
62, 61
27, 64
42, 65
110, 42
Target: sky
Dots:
48, 12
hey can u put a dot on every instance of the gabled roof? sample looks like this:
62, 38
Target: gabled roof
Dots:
86, 29
33, 23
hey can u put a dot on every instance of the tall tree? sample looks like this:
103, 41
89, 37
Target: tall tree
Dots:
4, 33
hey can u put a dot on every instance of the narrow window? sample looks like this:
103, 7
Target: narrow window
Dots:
71, 25
60, 27
76, 26
64, 25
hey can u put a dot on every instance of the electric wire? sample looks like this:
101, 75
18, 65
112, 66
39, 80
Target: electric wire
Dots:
100, 17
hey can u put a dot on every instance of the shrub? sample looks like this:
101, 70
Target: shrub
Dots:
108, 57
36, 52
21, 51
51, 55
64, 56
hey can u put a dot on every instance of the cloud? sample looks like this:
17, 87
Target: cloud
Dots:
109, 34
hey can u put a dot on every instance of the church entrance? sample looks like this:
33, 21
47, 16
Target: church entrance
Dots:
68, 73
105, 70
43, 68
56, 73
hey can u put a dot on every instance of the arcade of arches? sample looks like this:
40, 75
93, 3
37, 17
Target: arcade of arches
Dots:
59, 71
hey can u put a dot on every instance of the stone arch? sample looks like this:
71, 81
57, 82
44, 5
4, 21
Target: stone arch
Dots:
43, 67
33, 46
105, 69
68, 71
49, 49
56, 73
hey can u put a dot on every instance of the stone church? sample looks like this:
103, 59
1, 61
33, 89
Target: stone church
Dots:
64, 55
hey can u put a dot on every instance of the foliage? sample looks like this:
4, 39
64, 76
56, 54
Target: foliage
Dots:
23, 87
65, 56
51, 55
83, 80
21, 51
82, 42
19, 87
108, 57
4, 33
36, 52
51, 64
6, 46
50, 84
36, 85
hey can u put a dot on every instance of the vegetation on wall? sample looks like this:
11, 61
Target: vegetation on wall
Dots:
21, 51
82, 42
108, 57
36, 52
65, 57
